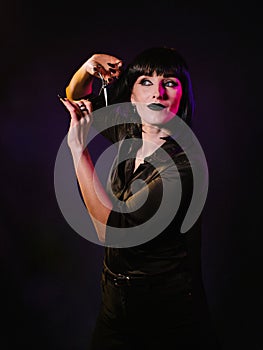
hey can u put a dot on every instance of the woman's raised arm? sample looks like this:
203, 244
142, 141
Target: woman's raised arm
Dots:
97, 65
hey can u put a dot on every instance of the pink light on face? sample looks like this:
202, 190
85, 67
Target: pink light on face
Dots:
166, 91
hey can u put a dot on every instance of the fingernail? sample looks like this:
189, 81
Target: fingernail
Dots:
61, 98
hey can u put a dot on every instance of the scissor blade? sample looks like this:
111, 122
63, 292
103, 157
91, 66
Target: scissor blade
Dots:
105, 95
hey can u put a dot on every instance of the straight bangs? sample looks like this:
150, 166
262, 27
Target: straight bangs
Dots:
175, 71
162, 61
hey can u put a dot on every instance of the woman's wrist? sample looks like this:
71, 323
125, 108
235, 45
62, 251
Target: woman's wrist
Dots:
88, 66
77, 151
81, 83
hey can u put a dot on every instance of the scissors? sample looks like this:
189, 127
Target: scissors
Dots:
103, 87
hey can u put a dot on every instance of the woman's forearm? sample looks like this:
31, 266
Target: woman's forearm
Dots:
80, 84
99, 65
95, 197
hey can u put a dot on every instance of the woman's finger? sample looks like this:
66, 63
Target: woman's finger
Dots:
83, 109
73, 109
85, 106
110, 73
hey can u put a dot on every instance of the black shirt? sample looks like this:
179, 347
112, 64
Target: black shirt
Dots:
137, 198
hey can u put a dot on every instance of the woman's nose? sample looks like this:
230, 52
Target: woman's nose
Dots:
159, 92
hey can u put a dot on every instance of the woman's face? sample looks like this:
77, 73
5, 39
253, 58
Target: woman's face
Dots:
157, 98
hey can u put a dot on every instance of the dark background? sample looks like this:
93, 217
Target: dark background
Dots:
50, 274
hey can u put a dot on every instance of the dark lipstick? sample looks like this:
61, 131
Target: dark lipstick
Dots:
156, 106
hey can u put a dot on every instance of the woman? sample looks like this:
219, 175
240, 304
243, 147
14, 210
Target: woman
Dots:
152, 288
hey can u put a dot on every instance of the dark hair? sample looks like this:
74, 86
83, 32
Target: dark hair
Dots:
164, 61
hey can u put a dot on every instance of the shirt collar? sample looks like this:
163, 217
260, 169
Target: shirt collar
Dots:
170, 149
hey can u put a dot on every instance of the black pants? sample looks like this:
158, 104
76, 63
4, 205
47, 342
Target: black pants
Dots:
149, 317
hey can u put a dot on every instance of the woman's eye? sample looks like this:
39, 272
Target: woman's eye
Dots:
170, 83
145, 82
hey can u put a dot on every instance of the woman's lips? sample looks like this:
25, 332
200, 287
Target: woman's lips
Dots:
156, 106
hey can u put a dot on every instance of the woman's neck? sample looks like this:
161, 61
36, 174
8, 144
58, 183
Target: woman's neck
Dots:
152, 137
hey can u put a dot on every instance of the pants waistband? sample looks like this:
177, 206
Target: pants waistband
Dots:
132, 280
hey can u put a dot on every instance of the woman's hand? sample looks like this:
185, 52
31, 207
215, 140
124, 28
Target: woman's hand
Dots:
81, 120
102, 66
95, 197
109, 67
